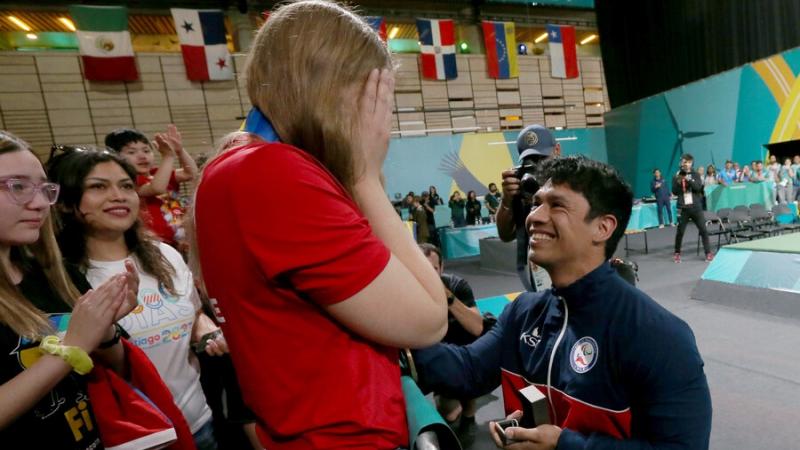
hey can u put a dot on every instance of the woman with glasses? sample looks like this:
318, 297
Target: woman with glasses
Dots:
100, 230
47, 330
317, 297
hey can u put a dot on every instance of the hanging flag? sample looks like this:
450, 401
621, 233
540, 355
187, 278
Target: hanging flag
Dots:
104, 43
563, 54
501, 49
378, 24
438, 42
203, 44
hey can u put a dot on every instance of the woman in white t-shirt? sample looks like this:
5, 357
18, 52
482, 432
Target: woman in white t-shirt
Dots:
100, 230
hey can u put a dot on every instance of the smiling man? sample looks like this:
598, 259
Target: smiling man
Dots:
617, 369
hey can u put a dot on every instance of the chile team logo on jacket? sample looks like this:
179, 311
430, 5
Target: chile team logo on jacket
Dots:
583, 355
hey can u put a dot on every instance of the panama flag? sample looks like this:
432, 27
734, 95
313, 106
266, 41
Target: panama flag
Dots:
203, 44
104, 42
563, 56
438, 42
501, 49
378, 24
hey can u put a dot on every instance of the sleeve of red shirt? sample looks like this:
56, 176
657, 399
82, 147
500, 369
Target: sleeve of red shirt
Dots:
310, 235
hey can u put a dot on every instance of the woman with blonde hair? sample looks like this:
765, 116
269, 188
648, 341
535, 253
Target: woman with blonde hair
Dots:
317, 295
47, 330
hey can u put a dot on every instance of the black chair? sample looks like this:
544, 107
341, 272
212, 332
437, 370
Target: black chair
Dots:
715, 227
764, 221
744, 227
742, 208
759, 206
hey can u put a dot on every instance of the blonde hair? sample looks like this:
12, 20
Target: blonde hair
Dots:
16, 311
301, 64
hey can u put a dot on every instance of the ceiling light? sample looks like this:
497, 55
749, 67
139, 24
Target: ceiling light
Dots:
588, 39
393, 33
67, 23
32, 36
24, 26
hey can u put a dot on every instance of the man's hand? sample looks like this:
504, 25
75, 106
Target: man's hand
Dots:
543, 437
510, 187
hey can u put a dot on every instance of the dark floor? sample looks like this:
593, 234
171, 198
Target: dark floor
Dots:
751, 359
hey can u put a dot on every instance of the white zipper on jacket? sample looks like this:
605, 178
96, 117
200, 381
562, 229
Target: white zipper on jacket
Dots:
552, 357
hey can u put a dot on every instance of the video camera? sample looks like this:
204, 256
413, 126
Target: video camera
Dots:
527, 179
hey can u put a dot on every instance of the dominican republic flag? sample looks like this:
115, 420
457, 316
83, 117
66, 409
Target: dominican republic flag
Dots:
104, 43
438, 43
378, 24
501, 49
563, 55
203, 44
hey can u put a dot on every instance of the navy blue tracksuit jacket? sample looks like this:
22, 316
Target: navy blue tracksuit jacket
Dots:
619, 370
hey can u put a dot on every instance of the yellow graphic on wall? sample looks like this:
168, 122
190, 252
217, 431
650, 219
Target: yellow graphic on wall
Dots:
785, 89
480, 161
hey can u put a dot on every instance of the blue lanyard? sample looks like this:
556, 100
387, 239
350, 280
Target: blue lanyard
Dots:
257, 123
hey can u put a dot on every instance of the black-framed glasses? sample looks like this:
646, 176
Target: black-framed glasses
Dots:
22, 191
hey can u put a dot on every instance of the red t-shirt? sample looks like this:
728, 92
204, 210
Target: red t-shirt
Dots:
280, 239
162, 213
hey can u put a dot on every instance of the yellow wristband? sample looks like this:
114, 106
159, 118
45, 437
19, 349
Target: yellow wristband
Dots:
74, 356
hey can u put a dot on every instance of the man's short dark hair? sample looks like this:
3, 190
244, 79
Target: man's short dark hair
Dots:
123, 136
600, 184
428, 249
492, 184
687, 157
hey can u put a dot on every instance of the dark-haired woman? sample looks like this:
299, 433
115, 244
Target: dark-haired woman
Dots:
473, 209
43, 391
100, 230
457, 206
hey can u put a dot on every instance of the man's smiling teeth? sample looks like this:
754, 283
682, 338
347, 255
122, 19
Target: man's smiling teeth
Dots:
541, 237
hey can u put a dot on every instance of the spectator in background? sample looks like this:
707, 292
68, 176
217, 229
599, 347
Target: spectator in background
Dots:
710, 179
688, 187
701, 171
473, 209
420, 216
728, 175
744, 175
408, 203
773, 168
159, 186
661, 191
429, 206
457, 206
736, 168
758, 174
492, 199
465, 324
434, 196
796, 169
785, 185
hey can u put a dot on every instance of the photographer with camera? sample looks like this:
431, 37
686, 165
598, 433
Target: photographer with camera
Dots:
688, 186
535, 143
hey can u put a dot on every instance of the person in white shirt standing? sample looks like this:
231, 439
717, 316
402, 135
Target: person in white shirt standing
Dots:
101, 230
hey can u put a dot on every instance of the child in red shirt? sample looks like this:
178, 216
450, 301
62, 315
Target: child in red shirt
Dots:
158, 186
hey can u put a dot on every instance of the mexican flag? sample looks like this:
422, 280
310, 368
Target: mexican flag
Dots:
105, 43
